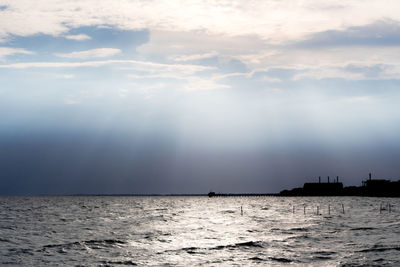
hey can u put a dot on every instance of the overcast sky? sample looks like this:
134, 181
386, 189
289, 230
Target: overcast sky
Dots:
191, 96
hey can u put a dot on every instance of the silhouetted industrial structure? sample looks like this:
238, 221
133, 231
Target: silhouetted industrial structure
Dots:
370, 187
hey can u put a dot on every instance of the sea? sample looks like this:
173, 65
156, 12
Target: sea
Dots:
199, 231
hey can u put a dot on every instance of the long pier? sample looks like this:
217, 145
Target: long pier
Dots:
212, 194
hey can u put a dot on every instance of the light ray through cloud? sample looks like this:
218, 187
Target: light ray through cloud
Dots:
184, 96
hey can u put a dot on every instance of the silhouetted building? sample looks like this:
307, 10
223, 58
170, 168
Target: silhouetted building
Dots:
322, 189
317, 189
381, 187
370, 187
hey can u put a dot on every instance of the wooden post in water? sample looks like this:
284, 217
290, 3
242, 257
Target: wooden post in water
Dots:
241, 210
317, 210
380, 208
293, 209
329, 209
390, 208
342, 208
304, 209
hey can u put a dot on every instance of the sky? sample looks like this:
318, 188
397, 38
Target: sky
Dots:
141, 97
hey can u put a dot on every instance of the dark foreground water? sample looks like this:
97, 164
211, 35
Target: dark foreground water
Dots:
187, 231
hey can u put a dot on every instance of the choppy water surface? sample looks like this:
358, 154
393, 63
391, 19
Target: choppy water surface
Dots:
185, 231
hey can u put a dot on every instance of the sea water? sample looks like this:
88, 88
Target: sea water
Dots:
189, 231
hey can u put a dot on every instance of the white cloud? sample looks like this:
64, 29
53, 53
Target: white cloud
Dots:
254, 32
185, 73
199, 44
192, 57
328, 72
272, 20
258, 58
386, 72
78, 37
194, 83
130, 65
8, 51
327, 62
191, 82
93, 53
267, 78
154, 70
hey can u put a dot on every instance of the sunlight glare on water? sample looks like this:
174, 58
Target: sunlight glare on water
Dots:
87, 231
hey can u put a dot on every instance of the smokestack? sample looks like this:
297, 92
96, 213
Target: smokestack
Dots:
370, 175
328, 179
337, 179
319, 179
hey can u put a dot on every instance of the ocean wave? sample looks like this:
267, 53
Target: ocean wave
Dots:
254, 244
202, 250
322, 258
112, 263
5, 240
325, 253
228, 211
302, 237
380, 249
256, 259
120, 233
83, 245
300, 229
282, 260
19, 251
362, 228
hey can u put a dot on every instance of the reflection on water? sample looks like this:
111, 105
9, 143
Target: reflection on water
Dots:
87, 231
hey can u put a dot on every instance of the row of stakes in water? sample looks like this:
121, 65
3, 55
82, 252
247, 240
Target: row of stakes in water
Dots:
329, 209
381, 208
388, 207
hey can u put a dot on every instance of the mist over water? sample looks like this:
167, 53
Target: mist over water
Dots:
188, 231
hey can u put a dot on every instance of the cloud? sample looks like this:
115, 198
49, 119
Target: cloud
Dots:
8, 51
93, 53
78, 37
318, 59
179, 72
352, 72
200, 84
379, 33
194, 56
259, 57
233, 18
347, 62
328, 72
191, 82
199, 44
318, 40
153, 69
132, 64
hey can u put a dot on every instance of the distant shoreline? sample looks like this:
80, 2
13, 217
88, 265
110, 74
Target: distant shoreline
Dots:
147, 195
194, 195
